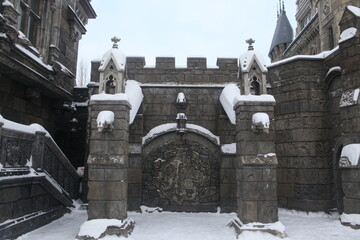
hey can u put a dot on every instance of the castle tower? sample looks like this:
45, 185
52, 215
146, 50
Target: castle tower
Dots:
283, 36
252, 72
112, 70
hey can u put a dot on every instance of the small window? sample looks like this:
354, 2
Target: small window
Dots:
331, 38
29, 19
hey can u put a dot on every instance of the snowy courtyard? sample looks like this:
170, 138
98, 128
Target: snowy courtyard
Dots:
204, 226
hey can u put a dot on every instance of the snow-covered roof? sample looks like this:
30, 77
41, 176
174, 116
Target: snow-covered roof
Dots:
247, 59
354, 10
254, 98
227, 97
283, 32
109, 97
117, 56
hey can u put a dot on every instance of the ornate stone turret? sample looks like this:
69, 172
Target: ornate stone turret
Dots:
283, 36
252, 72
112, 69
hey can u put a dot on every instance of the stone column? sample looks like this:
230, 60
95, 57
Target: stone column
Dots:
108, 162
37, 150
255, 163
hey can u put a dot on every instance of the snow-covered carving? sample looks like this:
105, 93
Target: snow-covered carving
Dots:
350, 155
105, 120
348, 34
181, 102
260, 122
349, 98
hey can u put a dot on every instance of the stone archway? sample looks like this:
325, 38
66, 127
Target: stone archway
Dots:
181, 173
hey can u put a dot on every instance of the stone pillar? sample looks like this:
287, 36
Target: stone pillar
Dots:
255, 163
37, 150
108, 162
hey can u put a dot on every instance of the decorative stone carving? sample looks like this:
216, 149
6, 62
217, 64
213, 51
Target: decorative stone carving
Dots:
181, 175
17, 152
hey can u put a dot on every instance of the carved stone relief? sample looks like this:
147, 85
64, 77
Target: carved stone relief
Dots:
181, 175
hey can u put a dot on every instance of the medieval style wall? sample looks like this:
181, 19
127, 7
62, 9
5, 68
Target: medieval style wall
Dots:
302, 134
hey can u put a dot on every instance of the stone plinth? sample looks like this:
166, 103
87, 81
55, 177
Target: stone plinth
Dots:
108, 162
255, 164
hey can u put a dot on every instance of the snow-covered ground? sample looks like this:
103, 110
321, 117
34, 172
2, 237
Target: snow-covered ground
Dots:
203, 226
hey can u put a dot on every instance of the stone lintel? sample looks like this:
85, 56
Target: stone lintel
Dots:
110, 102
107, 161
259, 160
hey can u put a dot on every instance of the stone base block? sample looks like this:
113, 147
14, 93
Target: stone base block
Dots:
276, 228
105, 227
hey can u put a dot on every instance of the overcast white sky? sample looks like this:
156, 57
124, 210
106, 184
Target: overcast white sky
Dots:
182, 28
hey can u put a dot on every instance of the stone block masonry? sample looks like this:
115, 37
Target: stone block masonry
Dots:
108, 162
302, 135
255, 165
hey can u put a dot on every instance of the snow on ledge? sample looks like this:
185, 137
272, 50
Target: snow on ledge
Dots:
109, 97
254, 98
229, 148
353, 219
354, 10
348, 34
135, 96
169, 127
352, 153
32, 128
227, 97
95, 228
333, 69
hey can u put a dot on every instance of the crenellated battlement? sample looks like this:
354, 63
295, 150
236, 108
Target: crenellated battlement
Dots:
192, 63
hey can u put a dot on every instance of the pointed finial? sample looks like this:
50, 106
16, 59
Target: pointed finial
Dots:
283, 6
250, 42
115, 40
280, 7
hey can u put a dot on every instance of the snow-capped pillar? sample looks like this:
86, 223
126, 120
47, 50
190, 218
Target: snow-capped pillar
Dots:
108, 161
256, 161
37, 150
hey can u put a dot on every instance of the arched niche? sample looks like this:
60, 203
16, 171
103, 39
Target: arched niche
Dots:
181, 172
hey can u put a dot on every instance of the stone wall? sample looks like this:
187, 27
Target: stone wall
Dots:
302, 137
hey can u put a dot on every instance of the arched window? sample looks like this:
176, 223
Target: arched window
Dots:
254, 86
110, 85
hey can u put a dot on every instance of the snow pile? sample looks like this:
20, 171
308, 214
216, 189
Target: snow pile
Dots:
353, 219
352, 153
247, 59
7, 3
269, 155
349, 98
354, 10
109, 97
105, 119
348, 34
135, 97
227, 97
145, 209
32, 128
254, 98
169, 127
229, 148
96, 227
261, 119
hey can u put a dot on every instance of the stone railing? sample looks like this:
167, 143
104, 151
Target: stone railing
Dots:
21, 150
